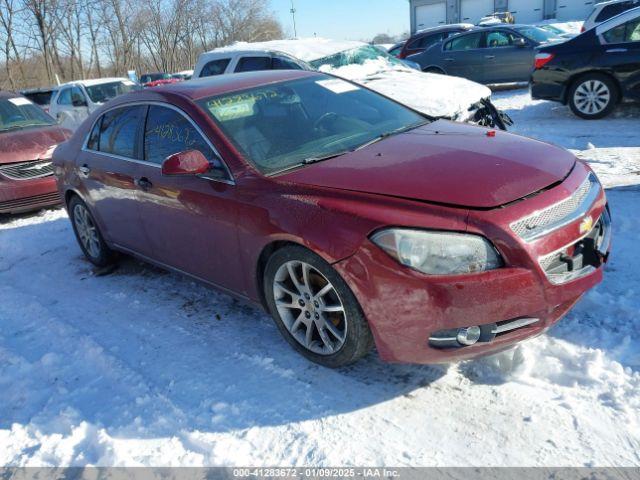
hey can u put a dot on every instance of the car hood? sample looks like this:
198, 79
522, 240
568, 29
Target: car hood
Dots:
30, 143
446, 163
430, 93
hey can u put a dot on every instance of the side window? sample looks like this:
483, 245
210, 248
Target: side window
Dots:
627, 32
168, 132
252, 64
77, 97
612, 10
499, 38
464, 42
282, 63
94, 136
215, 67
119, 131
415, 44
64, 98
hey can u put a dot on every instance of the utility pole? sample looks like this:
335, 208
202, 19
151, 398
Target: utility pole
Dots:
293, 15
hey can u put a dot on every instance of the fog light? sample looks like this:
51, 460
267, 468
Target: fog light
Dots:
468, 335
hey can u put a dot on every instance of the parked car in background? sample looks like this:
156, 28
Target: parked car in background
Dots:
558, 32
396, 49
28, 136
605, 10
351, 218
74, 101
497, 18
184, 75
40, 96
594, 71
493, 54
443, 97
236, 60
424, 39
149, 80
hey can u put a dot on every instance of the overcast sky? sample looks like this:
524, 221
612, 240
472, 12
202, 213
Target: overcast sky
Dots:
344, 19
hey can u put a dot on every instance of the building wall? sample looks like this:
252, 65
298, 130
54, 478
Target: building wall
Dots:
453, 9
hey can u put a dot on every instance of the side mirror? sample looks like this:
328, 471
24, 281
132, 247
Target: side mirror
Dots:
520, 42
189, 162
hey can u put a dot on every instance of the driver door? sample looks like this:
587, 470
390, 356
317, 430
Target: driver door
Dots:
191, 221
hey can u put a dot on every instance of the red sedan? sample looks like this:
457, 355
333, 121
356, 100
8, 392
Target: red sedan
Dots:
352, 219
28, 136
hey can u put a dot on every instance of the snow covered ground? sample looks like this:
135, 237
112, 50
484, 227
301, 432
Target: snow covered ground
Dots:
143, 367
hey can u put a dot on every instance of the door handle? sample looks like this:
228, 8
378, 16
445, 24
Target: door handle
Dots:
616, 50
84, 170
489, 56
143, 183
449, 60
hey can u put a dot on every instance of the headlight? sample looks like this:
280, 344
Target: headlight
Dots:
439, 253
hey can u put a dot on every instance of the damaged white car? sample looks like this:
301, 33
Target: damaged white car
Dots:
436, 95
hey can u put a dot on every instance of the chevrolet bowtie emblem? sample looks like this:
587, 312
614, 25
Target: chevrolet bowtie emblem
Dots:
586, 225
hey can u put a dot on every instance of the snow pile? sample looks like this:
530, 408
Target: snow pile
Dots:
430, 93
306, 49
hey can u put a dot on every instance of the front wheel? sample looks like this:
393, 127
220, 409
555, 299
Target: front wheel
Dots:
593, 96
314, 308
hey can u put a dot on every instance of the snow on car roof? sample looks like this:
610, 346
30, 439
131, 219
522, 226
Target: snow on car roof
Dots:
306, 49
97, 81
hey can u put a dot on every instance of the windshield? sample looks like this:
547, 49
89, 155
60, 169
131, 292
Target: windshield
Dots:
17, 113
106, 91
357, 55
539, 35
289, 124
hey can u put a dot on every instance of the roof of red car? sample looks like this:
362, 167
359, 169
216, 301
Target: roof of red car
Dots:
221, 84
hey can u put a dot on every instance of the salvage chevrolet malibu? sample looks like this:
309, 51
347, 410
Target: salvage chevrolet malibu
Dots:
352, 219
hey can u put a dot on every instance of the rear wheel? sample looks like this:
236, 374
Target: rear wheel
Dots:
593, 96
88, 234
314, 308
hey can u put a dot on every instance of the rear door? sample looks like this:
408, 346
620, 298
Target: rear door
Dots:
506, 61
620, 53
189, 220
107, 167
463, 56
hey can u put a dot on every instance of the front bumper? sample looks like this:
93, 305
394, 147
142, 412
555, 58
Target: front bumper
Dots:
17, 196
405, 307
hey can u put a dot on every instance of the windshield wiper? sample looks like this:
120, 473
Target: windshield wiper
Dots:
321, 158
391, 134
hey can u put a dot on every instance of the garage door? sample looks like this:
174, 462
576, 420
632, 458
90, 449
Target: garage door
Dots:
527, 11
473, 10
574, 9
431, 15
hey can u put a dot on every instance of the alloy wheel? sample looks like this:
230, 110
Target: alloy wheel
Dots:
87, 230
592, 97
310, 307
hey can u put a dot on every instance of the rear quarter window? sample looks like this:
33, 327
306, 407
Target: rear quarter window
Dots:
119, 131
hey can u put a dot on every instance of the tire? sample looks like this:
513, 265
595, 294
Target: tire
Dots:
437, 70
320, 301
593, 96
88, 234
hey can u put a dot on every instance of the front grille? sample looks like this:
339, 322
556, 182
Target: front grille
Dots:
562, 213
22, 204
27, 170
580, 258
